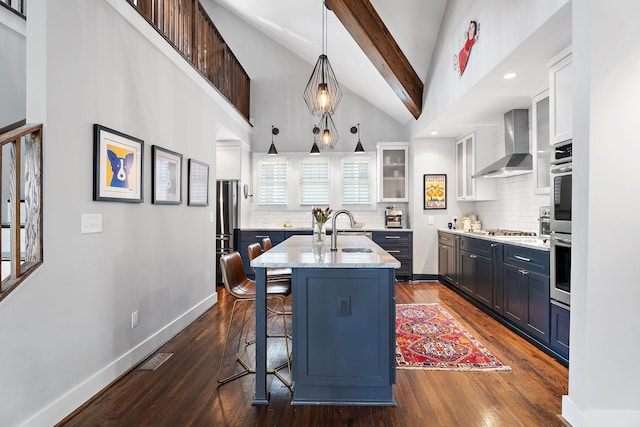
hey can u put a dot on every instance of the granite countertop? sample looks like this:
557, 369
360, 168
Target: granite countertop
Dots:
328, 228
533, 242
299, 252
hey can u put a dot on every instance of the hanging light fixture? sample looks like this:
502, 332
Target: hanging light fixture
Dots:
359, 147
328, 133
322, 94
314, 148
272, 148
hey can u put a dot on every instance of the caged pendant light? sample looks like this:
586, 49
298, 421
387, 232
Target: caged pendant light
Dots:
322, 94
359, 148
328, 133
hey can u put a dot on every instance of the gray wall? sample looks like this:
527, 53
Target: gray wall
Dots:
65, 331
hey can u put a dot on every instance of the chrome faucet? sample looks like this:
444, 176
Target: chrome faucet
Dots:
334, 232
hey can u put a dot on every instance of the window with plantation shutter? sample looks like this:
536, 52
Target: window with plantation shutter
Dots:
314, 181
356, 185
273, 182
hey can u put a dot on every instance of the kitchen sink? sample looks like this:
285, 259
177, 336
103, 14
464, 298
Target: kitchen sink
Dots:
363, 250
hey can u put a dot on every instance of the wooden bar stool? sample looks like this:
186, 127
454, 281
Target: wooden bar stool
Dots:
243, 290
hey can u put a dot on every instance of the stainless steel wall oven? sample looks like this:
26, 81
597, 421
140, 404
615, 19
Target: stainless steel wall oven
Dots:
560, 225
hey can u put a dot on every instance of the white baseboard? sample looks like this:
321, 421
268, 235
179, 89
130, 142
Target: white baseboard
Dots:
74, 398
597, 417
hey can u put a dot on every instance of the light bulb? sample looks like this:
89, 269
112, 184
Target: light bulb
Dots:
326, 138
323, 98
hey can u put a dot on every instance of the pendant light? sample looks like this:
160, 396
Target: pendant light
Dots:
272, 148
328, 133
314, 148
322, 94
359, 147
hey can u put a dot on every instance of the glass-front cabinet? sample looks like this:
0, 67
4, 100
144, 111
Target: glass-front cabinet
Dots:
474, 151
542, 150
393, 168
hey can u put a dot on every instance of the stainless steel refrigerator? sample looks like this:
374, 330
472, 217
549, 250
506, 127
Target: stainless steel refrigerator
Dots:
227, 202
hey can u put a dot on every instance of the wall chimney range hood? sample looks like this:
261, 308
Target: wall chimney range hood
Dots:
517, 159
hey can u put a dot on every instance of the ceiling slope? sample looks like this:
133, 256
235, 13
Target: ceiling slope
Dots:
368, 30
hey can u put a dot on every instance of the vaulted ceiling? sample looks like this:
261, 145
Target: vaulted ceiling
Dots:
297, 26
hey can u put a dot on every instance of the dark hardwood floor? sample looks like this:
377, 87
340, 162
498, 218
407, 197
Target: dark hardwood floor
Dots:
184, 392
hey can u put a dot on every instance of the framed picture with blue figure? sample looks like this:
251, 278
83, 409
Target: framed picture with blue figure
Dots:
117, 166
166, 176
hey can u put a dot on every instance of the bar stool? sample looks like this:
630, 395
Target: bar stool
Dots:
243, 289
273, 274
266, 244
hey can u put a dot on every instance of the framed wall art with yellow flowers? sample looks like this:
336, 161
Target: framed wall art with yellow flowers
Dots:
435, 191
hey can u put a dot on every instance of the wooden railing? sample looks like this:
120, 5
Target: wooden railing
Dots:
18, 6
187, 26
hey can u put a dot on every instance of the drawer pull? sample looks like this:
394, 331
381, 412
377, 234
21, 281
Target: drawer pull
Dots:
393, 251
260, 237
473, 256
493, 245
391, 237
523, 272
521, 258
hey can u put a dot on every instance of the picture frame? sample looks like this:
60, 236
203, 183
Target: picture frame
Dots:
166, 176
118, 166
198, 184
435, 191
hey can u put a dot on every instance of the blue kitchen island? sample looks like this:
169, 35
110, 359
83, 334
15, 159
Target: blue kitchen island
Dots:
343, 305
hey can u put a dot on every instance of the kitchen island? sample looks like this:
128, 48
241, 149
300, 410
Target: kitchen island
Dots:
343, 305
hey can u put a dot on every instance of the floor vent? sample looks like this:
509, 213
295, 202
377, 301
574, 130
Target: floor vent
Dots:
153, 363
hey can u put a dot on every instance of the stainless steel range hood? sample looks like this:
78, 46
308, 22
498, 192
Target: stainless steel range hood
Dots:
517, 160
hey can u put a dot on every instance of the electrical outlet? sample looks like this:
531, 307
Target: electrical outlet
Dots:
134, 319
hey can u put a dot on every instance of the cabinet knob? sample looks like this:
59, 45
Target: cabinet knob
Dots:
523, 272
473, 256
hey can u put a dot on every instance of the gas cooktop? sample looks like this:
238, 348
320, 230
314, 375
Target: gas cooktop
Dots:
501, 232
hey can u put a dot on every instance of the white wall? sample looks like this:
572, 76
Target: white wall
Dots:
65, 331
431, 155
603, 386
12, 73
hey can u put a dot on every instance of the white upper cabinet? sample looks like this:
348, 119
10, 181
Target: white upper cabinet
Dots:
228, 160
561, 97
393, 171
474, 151
541, 149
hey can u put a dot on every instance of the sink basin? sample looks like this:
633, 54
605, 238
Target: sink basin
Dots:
363, 250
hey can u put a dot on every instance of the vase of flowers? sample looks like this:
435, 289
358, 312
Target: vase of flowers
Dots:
320, 216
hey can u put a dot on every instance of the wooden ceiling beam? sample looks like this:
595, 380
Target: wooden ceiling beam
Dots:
368, 30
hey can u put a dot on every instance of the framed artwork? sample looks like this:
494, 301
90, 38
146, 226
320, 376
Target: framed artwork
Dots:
198, 191
435, 191
117, 166
166, 176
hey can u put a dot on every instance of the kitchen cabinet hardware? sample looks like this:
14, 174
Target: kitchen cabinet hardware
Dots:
392, 237
473, 256
521, 258
493, 245
260, 236
559, 240
523, 272
393, 251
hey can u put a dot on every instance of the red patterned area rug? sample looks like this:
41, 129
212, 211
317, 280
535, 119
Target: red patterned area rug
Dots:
427, 337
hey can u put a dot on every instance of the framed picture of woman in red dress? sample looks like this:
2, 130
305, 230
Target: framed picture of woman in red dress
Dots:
461, 59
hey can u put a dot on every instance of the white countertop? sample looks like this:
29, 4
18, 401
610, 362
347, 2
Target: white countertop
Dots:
299, 252
533, 242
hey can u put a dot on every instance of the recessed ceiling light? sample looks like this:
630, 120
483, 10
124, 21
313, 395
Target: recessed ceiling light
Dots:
509, 76
434, 132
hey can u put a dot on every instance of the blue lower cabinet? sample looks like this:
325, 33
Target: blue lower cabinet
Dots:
400, 245
246, 237
337, 315
559, 336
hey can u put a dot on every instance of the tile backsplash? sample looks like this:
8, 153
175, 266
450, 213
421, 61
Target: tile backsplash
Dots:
516, 206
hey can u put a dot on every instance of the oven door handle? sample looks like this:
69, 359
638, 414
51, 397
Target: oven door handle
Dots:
562, 169
561, 241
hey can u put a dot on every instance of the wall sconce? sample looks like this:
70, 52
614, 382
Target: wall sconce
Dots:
314, 148
272, 148
245, 191
359, 147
